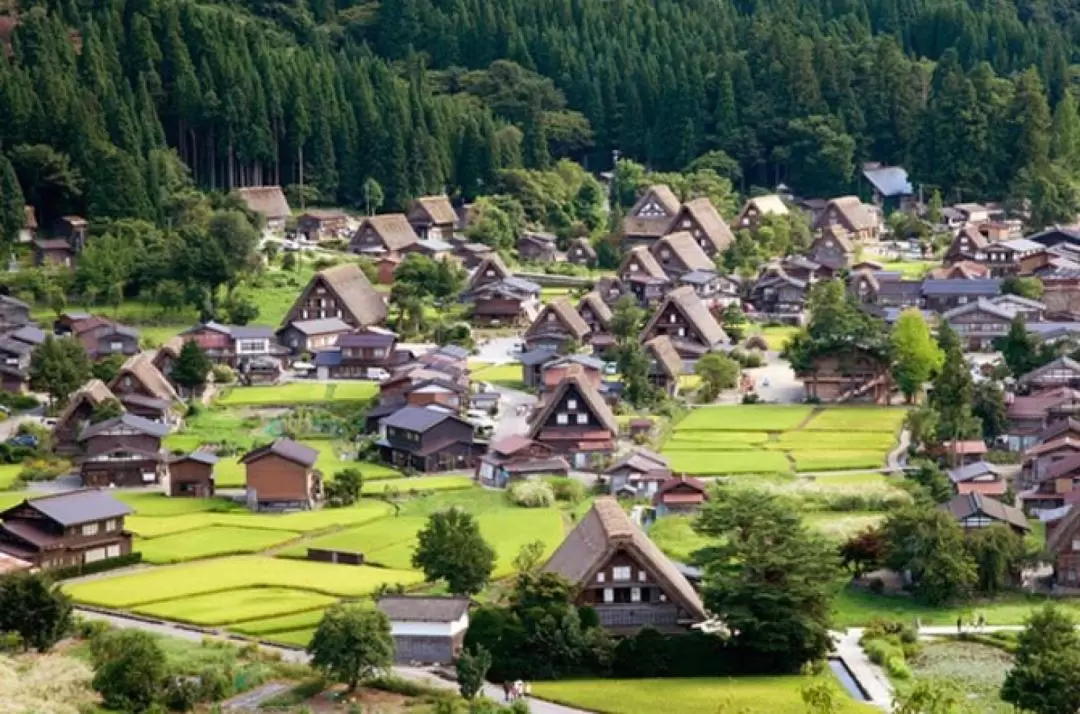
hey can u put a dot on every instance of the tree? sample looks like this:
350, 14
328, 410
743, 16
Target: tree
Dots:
1028, 287
627, 320
107, 367
352, 642
192, 367
819, 694
12, 212
1019, 348
864, 551
718, 372
374, 198
472, 669
915, 353
345, 489
240, 309
930, 543
988, 406
734, 322
1045, 678
59, 366
451, 548
997, 552
929, 696
933, 484
33, 607
108, 409
953, 390
935, 207
768, 576
131, 673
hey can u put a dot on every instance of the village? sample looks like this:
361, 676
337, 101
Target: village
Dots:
899, 386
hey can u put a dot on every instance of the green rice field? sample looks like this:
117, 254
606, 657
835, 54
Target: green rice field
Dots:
149, 526
295, 393
209, 542
756, 417
8, 474
236, 605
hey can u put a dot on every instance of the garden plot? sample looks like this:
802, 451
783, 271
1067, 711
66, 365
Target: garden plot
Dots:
236, 605
977, 670
745, 418
293, 393
300, 522
721, 463
225, 574
210, 542
884, 419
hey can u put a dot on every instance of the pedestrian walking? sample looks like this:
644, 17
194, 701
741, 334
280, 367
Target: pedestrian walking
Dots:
519, 687
960, 625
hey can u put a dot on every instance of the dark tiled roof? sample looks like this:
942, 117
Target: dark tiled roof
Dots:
417, 418
962, 507
982, 286
421, 608
203, 457
322, 326
355, 292
286, 449
77, 507
128, 420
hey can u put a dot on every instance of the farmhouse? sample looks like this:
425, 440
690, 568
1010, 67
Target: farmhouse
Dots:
513, 301
1028, 416
166, 355
426, 628
597, 315
66, 530
574, 420
969, 246
191, 475
776, 292
54, 252
755, 209
15, 315
638, 473
1056, 484
1061, 372
378, 235
428, 439
1063, 543
687, 321
943, 295
680, 495
644, 276
269, 202
974, 510
319, 224
832, 250
581, 252
678, 254
700, 219
433, 217
537, 247
14, 365
282, 476
979, 477
355, 353
852, 375
558, 328
651, 216
142, 389
515, 458
851, 215
312, 335
620, 573
665, 365
342, 291
978, 324
122, 451
76, 415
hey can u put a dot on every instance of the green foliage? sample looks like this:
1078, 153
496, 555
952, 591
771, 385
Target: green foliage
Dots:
1046, 677
345, 488
32, 607
352, 642
836, 325
108, 409
12, 217
107, 368
58, 367
192, 367
532, 494
472, 669
450, 548
933, 696
998, 553
953, 390
930, 543
718, 372
129, 669
988, 406
916, 356
1027, 287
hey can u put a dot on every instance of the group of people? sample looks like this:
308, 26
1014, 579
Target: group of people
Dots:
515, 690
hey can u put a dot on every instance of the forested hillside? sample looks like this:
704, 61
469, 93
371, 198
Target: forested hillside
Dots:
425, 94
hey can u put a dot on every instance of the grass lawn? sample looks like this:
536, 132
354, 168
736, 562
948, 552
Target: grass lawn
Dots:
275, 394
854, 608
10, 498
214, 426
352, 390
426, 483
713, 463
504, 375
230, 473
158, 504
885, 419
222, 574
281, 623
296, 638
236, 605
300, 522
911, 269
776, 695
209, 542
676, 537
753, 417
828, 440
776, 336
8, 474
841, 525
837, 460
689, 383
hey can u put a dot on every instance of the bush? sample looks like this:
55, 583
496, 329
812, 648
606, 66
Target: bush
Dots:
43, 469
753, 359
567, 489
402, 686
18, 402
99, 566
532, 494
223, 374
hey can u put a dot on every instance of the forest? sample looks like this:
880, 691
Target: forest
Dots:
103, 101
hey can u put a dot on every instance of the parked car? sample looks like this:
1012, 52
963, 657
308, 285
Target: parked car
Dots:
290, 245
28, 440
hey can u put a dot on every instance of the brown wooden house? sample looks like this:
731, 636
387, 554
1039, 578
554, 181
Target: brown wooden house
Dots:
850, 214
974, 511
755, 209
537, 247
491, 269
1063, 543
282, 476
313, 335
122, 451
574, 421
428, 439
638, 473
269, 202
14, 365
322, 224
357, 352
665, 365
14, 313
644, 276
143, 390
557, 327
851, 375
979, 324
378, 235
700, 219
969, 246
597, 315
1061, 372
76, 415
679, 253
513, 301
66, 530
516, 458
581, 252
342, 291
680, 495
165, 357
832, 250
684, 318
651, 216
191, 475
1029, 416
54, 252
620, 573
433, 217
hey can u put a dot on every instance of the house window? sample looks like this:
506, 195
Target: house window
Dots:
682, 332
116, 346
1076, 544
112, 551
250, 346
620, 572
665, 254
561, 418
633, 267
582, 418
609, 595
92, 556
601, 577
635, 594
551, 317
90, 529
571, 404
642, 576
110, 525
672, 318
663, 597
686, 223
962, 300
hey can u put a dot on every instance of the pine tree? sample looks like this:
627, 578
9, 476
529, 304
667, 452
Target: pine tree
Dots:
12, 212
534, 141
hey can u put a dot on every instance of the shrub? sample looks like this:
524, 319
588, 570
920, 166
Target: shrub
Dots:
402, 686
223, 374
532, 494
753, 359
18, 402
43, 469
877, 586
567, 489
99, 566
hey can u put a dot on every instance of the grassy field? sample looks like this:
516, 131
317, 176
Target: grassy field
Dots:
776, 695
8, 474
503, 375
825, 460
776, 336
818, 440
417, 485
710, 441
158, 504
295, 393
911, 269
236, 605
745, 418
854, 608
296, 638
840, 526
209, 542
706, 463
298, 522
176, 582
882, 419
230, 473
675, 536
280, 623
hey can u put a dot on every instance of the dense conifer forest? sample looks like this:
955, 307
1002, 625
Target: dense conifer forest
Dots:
974, 98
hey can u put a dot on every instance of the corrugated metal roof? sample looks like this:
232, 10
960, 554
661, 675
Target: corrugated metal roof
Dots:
80, 507
890, 181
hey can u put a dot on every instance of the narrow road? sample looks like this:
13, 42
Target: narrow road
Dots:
298, 656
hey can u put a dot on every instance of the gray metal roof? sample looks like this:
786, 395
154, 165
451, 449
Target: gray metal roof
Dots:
420, 608
890, 181
286, 449
251, 332
453, 351
435, 245
129, 420
31, 334
321, 326
698, 277
416, 418
77, 507
203, 457
985, 286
